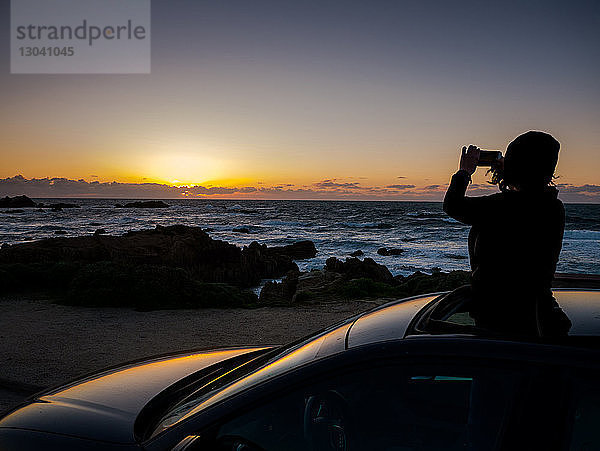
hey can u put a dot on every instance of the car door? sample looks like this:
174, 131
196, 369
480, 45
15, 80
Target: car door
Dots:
583, 433
379, 399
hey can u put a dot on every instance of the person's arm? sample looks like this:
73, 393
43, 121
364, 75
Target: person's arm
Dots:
456, 204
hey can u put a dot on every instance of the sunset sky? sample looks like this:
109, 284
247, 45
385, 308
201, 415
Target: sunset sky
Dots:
300, 99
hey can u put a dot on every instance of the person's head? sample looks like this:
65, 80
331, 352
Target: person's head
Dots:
530, 161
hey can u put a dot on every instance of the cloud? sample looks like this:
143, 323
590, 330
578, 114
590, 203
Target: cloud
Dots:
400, 187
332, 184
325, 189
583, 193
571, 189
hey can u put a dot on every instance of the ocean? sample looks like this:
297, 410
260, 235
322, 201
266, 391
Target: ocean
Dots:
428, 237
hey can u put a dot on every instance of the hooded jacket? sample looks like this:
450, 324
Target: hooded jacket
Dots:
514, 245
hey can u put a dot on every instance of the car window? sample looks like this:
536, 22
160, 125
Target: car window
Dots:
461, 319
585, 415
390, 407
450, 315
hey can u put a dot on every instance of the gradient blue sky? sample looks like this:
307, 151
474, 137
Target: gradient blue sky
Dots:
340, 99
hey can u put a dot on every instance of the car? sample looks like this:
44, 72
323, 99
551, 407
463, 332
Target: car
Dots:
413, 374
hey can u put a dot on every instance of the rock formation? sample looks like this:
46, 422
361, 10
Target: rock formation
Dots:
17, 202
384, 251
178, 246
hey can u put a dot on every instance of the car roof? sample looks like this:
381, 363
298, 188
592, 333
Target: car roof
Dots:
394, 320
583, 309
388, 322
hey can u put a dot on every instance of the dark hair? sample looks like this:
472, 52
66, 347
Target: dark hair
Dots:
529, 162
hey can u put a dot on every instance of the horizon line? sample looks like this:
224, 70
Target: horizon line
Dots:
244, 199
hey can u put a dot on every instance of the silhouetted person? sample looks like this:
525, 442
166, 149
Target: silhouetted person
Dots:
515, 238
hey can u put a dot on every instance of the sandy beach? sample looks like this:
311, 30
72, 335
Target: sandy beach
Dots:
44, 344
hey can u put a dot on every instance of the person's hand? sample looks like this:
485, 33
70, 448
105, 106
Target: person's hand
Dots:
469, 159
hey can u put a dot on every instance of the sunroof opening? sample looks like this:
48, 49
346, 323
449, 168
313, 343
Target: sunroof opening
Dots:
451, 314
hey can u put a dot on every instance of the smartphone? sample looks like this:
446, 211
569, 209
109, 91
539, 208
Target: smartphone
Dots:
489, 157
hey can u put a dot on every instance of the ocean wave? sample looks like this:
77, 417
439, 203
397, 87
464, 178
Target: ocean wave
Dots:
280, 223
239, 209
456, 256
451, 221
411, 268
250, 229
427, 214
578, 223
582, 235
364, 225
128, 220
52, 227
434, 220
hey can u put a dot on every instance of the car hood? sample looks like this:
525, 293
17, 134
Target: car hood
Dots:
104, 406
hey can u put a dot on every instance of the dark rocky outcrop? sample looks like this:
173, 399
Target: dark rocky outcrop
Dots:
357, 253
17, 202
296, 251
309, 287
353, 279
179, 246
419, 282
327, 285
110, 284
384, 251
183, 267
353, 268
144, 204
320, 287
280, 293
150, 287
265, 264
186, 259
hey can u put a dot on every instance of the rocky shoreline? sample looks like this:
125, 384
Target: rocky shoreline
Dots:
183, 267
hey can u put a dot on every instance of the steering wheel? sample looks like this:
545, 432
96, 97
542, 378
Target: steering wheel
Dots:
327, 422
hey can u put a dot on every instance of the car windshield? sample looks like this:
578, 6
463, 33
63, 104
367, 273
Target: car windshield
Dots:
249, 373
